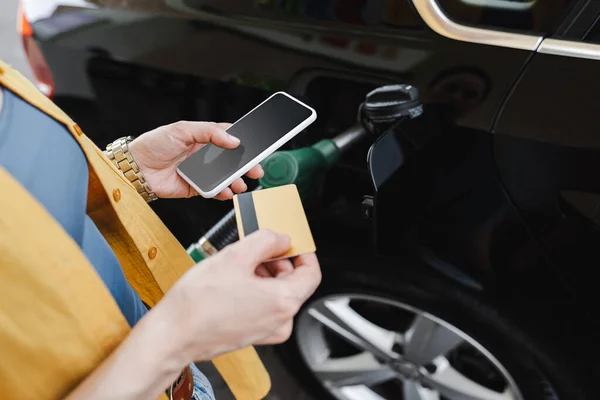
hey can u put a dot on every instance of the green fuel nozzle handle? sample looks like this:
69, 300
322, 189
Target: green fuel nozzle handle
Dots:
302, 166
299, 166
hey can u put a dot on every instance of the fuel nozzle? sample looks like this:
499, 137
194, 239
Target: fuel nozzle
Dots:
383, 107
388, 105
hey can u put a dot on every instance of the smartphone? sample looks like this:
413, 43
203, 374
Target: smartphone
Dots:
262, 131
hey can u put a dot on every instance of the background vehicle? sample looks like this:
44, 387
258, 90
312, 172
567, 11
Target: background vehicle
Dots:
475, 276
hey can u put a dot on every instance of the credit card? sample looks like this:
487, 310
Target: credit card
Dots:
278, 209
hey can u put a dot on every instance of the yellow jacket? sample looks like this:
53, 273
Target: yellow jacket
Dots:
57, 319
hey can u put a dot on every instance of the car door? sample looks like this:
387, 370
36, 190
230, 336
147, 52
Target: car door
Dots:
491, 43
547, 147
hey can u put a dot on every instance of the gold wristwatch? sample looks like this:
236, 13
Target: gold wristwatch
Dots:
118, 153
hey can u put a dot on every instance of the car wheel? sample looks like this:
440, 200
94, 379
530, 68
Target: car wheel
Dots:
413, 337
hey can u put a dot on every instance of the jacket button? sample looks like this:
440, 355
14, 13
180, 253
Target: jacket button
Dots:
117, 194
152, 253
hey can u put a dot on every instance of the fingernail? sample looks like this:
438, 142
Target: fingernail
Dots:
233, 138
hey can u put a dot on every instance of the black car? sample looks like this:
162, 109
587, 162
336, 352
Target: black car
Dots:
459, 243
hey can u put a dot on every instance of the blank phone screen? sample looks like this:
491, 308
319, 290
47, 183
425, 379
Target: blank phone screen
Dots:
257, 131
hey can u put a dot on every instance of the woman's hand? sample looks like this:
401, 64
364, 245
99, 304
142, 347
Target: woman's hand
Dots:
159, 153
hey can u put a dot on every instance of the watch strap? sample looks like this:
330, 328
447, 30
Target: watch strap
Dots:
118, 152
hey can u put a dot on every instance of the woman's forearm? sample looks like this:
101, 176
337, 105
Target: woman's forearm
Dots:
142, 367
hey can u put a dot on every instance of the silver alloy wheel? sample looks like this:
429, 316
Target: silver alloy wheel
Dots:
422, 367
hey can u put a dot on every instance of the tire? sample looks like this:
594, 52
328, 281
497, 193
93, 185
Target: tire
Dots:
538, 374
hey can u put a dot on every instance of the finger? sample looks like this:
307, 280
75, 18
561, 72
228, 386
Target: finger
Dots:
256, 172
280, 335
192, 133
191, 191
306, 276
226, 194
239, 186
280, 268
224, 125
263, 271
306, 259
262, 245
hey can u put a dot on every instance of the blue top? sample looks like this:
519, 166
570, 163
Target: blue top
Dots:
42, 155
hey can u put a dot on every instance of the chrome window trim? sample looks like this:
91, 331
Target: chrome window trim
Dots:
435, 18
503, 4
568, 48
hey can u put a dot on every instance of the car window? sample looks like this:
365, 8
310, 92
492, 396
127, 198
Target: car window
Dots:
521, 16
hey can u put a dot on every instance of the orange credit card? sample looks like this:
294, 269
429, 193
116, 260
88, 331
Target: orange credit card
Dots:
278, 209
